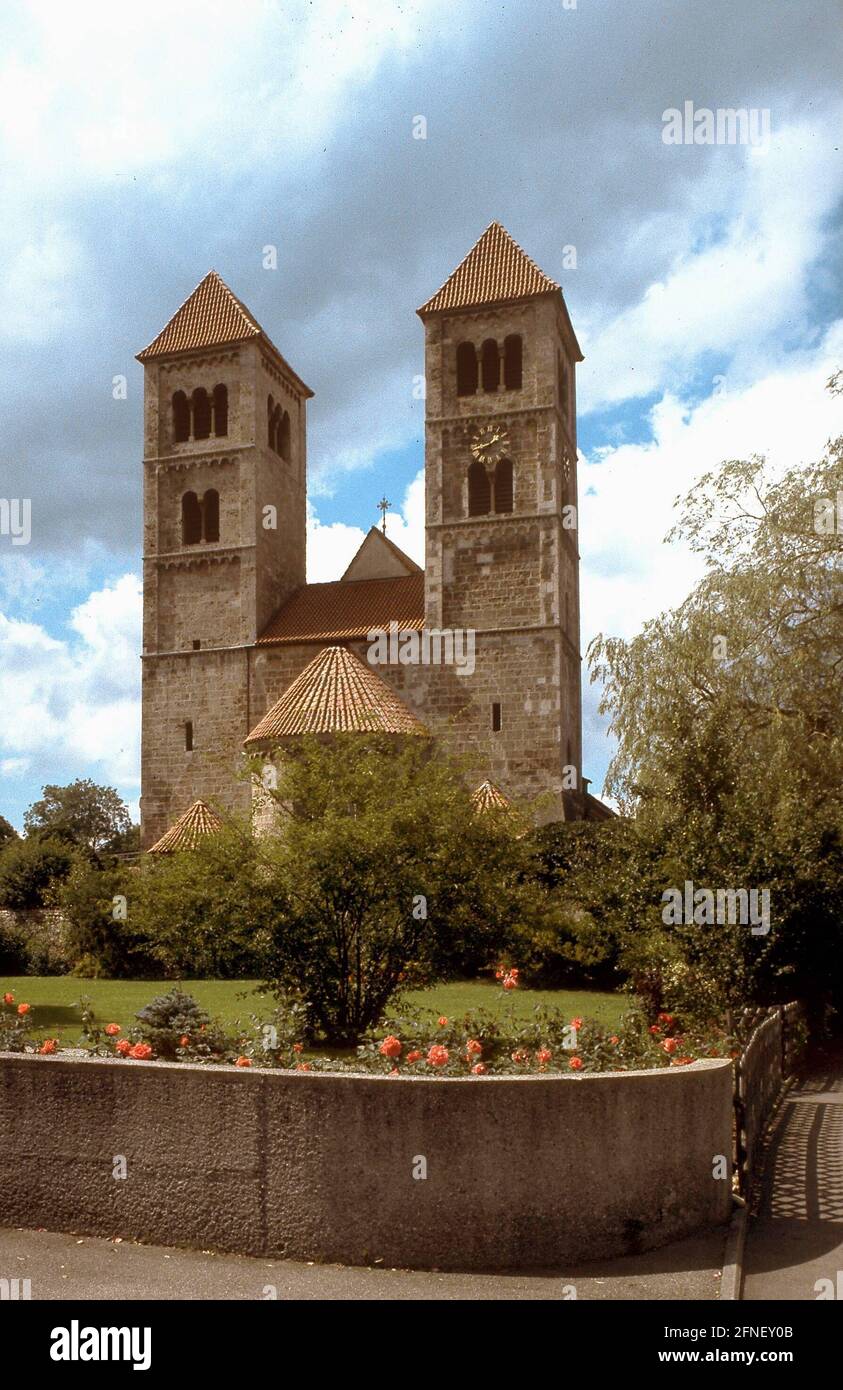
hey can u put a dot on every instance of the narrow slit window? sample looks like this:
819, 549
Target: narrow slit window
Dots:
496, 717
188, 736
197, 645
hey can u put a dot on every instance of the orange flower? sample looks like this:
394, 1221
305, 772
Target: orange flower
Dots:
438, 1056
184, 1040
443, 1022
8, 999
575, 1063
112, 1029
243, 1062
543, 1056
24, 1009
655, 1029
303, 1066
670, 1044
473, 1047
614, 1038
395, 1072
298, 1047
576, 1023
413, 1056
124, 1047
141, 1052
520, 1056
510, 982
390, 1047
478, 1069
48, 1046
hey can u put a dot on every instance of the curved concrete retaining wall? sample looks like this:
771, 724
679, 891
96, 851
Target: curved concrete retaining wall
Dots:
521, 1172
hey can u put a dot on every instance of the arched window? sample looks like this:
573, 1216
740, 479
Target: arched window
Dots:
270, 422
562, 370
491, 365
220, 410
191, 519
201, 413
181, 418
211, 515
479, 490
284, 437
277, 417
512, 362
503, 486
466, 370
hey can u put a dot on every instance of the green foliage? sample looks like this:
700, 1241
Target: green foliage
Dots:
15, 1028
85, 814
382, 876
203, 912
30, 868
7, 832
730, 742
174, 1026
98, 940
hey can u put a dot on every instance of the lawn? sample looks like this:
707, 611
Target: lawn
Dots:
55, 1000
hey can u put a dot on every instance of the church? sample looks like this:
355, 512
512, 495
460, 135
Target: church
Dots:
238, 647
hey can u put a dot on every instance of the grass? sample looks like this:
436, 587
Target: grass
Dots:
55, 1001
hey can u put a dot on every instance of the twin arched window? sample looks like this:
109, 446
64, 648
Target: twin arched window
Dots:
278, 429
200, 519
495, 366
200, 414
487, 495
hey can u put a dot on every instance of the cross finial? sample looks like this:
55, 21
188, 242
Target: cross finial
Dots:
383, 507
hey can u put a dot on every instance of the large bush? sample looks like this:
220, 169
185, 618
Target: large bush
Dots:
30, 869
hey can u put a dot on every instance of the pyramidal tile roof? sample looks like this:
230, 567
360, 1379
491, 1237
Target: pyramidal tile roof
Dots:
348, 608
336, 693
198, 820
488, 797
496, 269
210, 316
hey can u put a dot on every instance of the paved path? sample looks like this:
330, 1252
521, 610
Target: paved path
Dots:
797, 1236
71, 1267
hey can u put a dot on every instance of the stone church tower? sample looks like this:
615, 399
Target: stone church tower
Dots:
230, 624
501, 520
224, 540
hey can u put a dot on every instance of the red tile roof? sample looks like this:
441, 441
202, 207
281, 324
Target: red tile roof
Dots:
347, 609
212, 316
198, 820
488, 797
335, 693
495, 270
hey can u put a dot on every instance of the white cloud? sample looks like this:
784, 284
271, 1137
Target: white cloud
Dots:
739, 282
331, 548
73, 706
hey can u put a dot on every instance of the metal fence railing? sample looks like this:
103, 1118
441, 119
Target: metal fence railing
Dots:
768, 1057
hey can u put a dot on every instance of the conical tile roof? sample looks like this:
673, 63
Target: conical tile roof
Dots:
488, 797
336, 693
210, 316
198, 820
496, 269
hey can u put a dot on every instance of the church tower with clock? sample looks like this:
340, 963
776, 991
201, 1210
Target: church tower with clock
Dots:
501, 516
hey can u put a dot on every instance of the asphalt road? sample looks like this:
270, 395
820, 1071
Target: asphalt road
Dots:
87, 1267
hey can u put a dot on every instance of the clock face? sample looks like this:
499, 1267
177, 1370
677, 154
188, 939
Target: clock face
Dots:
490, 443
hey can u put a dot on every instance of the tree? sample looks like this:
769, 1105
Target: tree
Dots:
30, 869
7, 832
82, 812
727, 713
378, 869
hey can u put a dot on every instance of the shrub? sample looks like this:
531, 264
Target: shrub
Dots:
29, 870
175, 1016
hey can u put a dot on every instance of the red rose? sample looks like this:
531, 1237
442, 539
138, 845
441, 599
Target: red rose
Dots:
391, 1047
543, 1056
520, 1056
614, 1038
48, 1046
670, 1044
124, 1047
184, 1041
438, 1056
655, 1029
303, 1066
576, 1023
141, 1052
510, 982
395, 1072
575, 1063
243, 1062
413, 1056
478, 1069
443, 1022
8, 999
112, 1029
473, 1047
298, 1047
665, 1018
24, 1008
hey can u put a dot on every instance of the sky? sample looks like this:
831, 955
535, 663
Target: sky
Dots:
143, 145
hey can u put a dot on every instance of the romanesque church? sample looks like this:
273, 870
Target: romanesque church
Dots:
239, 650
